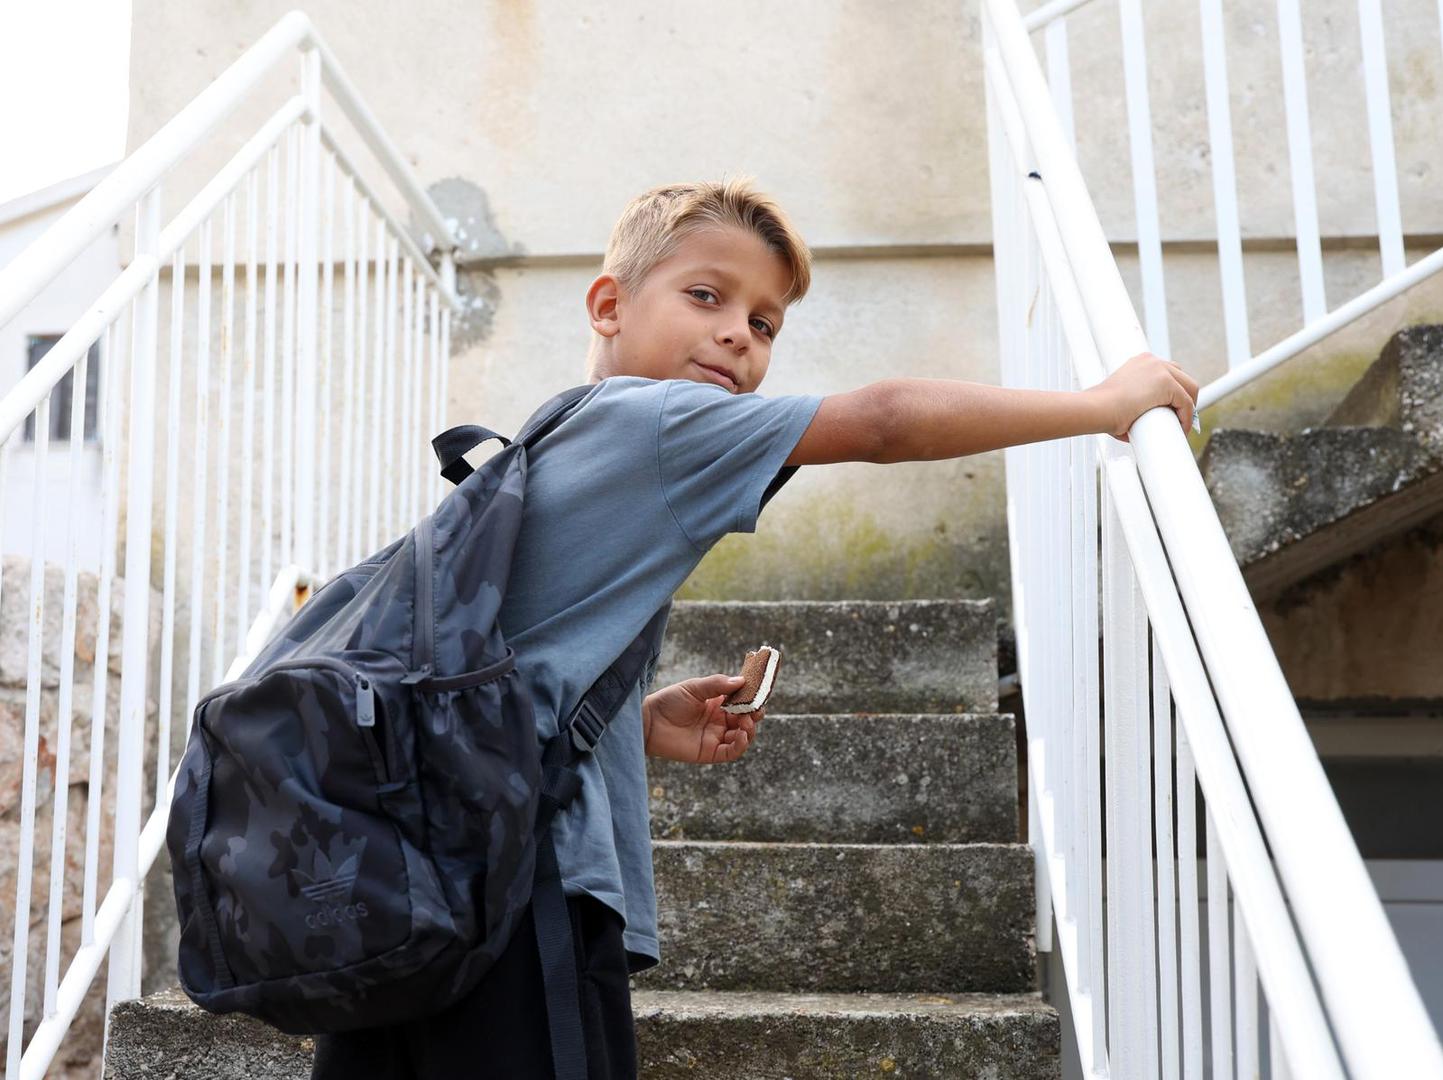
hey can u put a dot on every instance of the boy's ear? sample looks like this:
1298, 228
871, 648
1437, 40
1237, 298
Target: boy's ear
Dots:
601, 305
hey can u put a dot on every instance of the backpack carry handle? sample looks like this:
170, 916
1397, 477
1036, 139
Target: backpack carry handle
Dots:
454, 442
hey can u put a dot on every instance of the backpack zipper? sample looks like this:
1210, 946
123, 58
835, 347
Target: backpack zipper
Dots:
365, 707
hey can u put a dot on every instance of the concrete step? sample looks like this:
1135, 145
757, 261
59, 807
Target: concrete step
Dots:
166, 1035
698, 1035
913, 656
721, 1036
906, 918
1295, 504
863, 779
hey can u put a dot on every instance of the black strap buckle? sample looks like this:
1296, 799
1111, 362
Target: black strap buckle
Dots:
587, 727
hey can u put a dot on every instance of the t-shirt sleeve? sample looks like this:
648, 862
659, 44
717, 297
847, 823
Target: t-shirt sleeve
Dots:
717, 452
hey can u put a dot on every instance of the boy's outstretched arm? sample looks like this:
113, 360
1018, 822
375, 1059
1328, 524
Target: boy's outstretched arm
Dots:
931, 419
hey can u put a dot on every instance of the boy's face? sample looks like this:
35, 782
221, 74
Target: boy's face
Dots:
708, 312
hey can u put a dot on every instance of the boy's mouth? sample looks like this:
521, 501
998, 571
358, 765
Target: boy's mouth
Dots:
720, 377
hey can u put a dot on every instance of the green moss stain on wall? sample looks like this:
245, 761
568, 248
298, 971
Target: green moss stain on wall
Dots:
833, 550
1298, 394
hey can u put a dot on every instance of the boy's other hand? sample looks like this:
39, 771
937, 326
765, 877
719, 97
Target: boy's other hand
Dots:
1145, 382
685, 722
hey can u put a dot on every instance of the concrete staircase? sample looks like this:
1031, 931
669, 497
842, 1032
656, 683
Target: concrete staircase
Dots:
849, 899
1295, 504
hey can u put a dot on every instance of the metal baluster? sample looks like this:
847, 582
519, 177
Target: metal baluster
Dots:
1166, 899
327, 406
307, 414
1300, 156
288, 355
20, 949
1144, 177
405, 374
1380, 136
1225, 194
348, 404
1190, 974
172, 515
268, 382
59, 815
125, 959
1219, 978
1246, 1001
389, 365
219, 655
246, 569
201, 452
112, 376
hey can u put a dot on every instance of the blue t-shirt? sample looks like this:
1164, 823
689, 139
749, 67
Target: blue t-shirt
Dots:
622, 500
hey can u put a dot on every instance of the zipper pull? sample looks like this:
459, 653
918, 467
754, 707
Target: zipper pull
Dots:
411, 678
365, 703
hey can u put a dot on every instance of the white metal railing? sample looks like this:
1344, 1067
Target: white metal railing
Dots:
361, 348
1318, 322
1131, 529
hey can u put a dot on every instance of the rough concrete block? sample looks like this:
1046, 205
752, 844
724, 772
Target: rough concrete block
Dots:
844, 917
1403, 388
165, 1035
915, 656
1294, 504
869, 779
721, 1036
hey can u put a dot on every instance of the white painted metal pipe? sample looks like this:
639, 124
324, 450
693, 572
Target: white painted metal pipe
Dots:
125, 959
1380, 135
1300, 159
1315, 332
1225, 191
35, 611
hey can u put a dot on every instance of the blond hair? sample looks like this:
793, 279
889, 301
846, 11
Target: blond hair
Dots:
655, 222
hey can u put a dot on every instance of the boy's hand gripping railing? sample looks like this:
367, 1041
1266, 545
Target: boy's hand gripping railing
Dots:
1304, 908
355, 286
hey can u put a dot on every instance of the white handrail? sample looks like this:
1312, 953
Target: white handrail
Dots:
22, 279
1362, 975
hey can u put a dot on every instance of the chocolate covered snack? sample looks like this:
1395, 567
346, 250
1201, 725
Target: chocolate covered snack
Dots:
760, 672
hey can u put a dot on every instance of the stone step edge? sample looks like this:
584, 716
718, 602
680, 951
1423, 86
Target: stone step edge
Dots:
705, 1004
758, 845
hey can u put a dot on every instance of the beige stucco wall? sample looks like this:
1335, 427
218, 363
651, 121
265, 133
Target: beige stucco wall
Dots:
535, 122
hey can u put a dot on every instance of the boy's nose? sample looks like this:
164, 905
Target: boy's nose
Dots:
732, 338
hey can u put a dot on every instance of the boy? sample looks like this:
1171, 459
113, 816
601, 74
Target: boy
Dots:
670, 451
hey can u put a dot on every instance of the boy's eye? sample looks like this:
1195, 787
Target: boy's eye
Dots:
763, 326
704, 292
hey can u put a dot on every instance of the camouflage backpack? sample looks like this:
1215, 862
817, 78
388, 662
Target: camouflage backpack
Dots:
362, 817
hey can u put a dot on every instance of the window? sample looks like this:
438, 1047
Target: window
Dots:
60, 402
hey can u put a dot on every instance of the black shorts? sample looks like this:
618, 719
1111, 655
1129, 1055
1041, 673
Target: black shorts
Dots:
499, 1029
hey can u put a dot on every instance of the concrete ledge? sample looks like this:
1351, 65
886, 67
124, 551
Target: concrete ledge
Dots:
870, 779
843, 917
720, 1036
697, 1035
915, 656
165, 1035
1294, 504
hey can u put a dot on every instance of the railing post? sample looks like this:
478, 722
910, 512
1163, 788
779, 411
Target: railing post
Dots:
125, 955
304, 492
